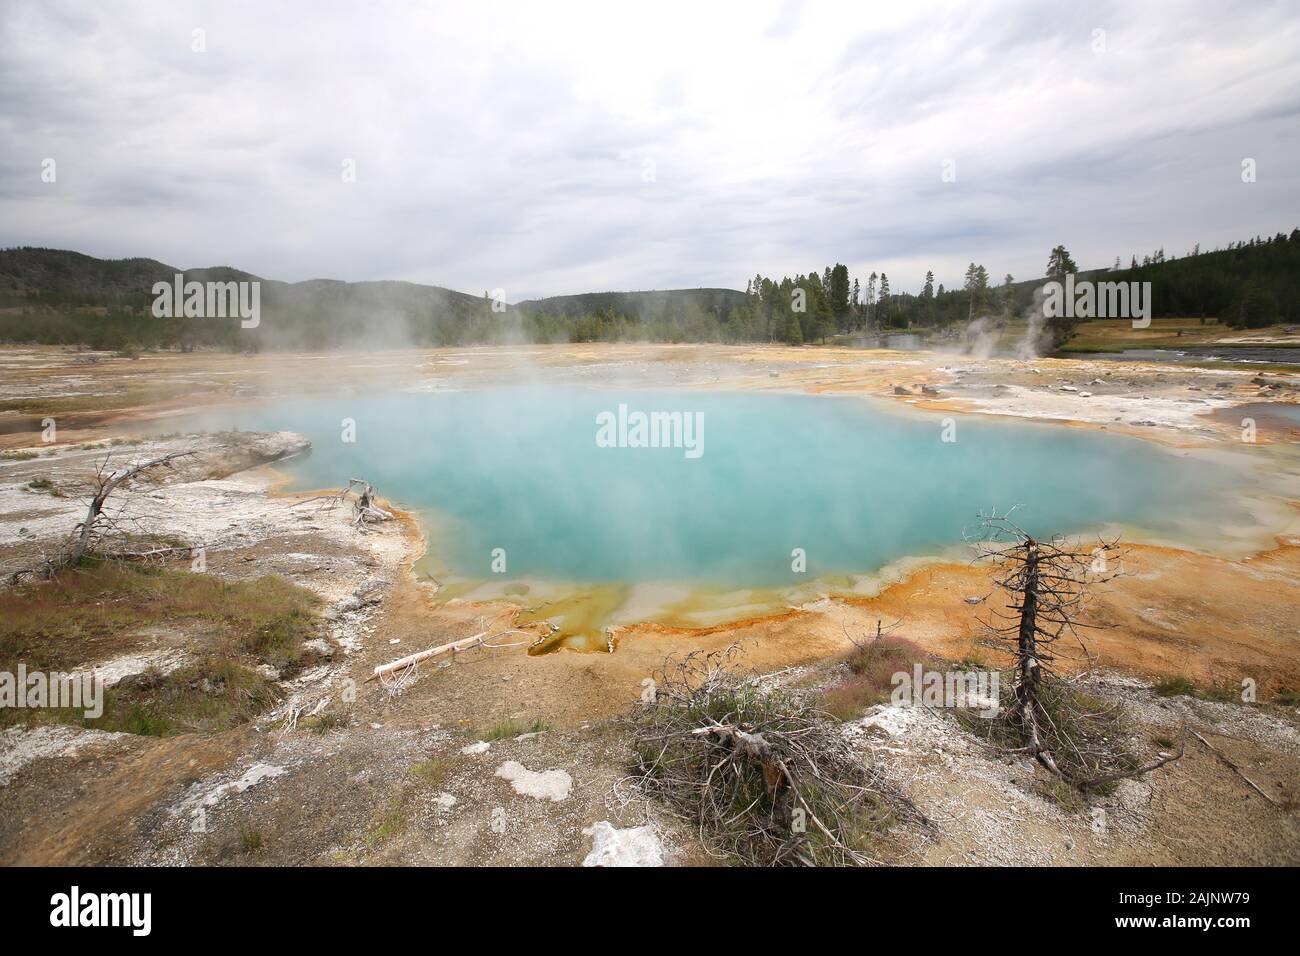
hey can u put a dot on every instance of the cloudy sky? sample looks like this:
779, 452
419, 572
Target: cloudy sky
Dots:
547, 148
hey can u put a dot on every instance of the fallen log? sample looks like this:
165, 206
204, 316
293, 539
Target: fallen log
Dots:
412, 659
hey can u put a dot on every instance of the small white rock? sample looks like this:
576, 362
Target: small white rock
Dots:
634, 846
553, 785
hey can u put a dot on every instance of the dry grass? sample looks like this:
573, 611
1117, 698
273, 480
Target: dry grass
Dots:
1224, 692
210, 695
250, 838
1086, 735
508, 728
61, 623
98, 610
871, 666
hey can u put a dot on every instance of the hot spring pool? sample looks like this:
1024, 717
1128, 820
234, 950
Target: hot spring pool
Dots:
511, 483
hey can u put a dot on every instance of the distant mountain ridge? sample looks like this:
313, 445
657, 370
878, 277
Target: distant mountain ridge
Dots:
43, 272
32, 271
48, 294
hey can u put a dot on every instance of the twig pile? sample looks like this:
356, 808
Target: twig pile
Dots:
766, 778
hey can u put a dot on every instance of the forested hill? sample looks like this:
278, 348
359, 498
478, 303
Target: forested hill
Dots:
52, 295
669, 315
1247, 285
60, 297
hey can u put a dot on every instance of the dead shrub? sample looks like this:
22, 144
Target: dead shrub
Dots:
765, 777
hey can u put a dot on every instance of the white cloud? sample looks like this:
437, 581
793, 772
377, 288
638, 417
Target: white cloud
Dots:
505, 145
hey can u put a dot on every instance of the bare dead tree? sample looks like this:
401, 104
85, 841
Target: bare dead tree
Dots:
106, 482
364, 498
365, 506
1049, 584
91, 532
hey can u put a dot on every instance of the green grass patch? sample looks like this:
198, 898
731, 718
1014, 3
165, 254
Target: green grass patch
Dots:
58, 624
509, 727
433, 772
210, 695
1224, 692
394, 817
391, 821
1066, 797
105, 402
45, 485
250, 838
1177, 686
94, 611
325, 721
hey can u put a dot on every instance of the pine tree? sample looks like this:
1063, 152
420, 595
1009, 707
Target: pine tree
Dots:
977, 284
838, 295
1059, 264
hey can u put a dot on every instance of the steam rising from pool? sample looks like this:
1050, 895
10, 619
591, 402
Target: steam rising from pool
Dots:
515, 479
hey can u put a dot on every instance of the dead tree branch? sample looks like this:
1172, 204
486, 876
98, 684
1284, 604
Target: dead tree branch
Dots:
364, 498
106, 483
89, 534
1223, 758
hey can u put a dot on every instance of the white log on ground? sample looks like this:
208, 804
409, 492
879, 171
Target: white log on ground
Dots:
412, 659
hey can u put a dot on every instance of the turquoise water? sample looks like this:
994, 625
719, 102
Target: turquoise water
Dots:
853, 483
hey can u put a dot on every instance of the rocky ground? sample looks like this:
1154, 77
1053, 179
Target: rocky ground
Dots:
504, 758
